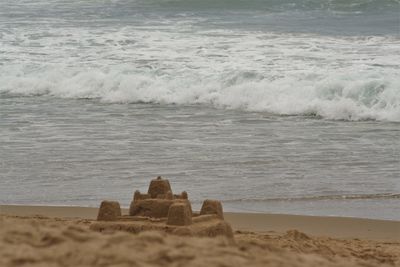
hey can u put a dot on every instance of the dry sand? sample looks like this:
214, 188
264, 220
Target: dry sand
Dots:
63, 238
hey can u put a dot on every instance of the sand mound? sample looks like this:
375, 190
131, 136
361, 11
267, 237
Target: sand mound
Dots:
38, 241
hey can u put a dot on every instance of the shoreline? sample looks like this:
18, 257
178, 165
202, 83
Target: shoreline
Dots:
326, 226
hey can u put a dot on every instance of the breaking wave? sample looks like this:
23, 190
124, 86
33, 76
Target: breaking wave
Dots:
176, 62
336, 96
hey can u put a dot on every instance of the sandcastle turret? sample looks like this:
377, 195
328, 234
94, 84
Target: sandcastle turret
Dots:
212, 207
179, 214
159, 187
109, 211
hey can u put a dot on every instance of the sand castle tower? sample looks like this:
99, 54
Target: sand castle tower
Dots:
159, 202
160, 209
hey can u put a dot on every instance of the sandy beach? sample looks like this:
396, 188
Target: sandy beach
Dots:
60, 236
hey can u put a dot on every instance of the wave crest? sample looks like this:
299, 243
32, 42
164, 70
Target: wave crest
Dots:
336, 96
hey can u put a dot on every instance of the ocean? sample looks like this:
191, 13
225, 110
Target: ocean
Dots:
269, 106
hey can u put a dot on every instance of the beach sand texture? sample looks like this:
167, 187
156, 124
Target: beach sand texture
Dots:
37, 240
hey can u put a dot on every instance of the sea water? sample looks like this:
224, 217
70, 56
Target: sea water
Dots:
269, 106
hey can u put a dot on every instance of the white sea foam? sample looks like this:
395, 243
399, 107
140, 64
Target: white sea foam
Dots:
344, 78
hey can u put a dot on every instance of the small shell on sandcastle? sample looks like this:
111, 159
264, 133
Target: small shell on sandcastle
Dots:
160, 209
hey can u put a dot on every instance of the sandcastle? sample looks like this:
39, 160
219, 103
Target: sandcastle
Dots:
162, 210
